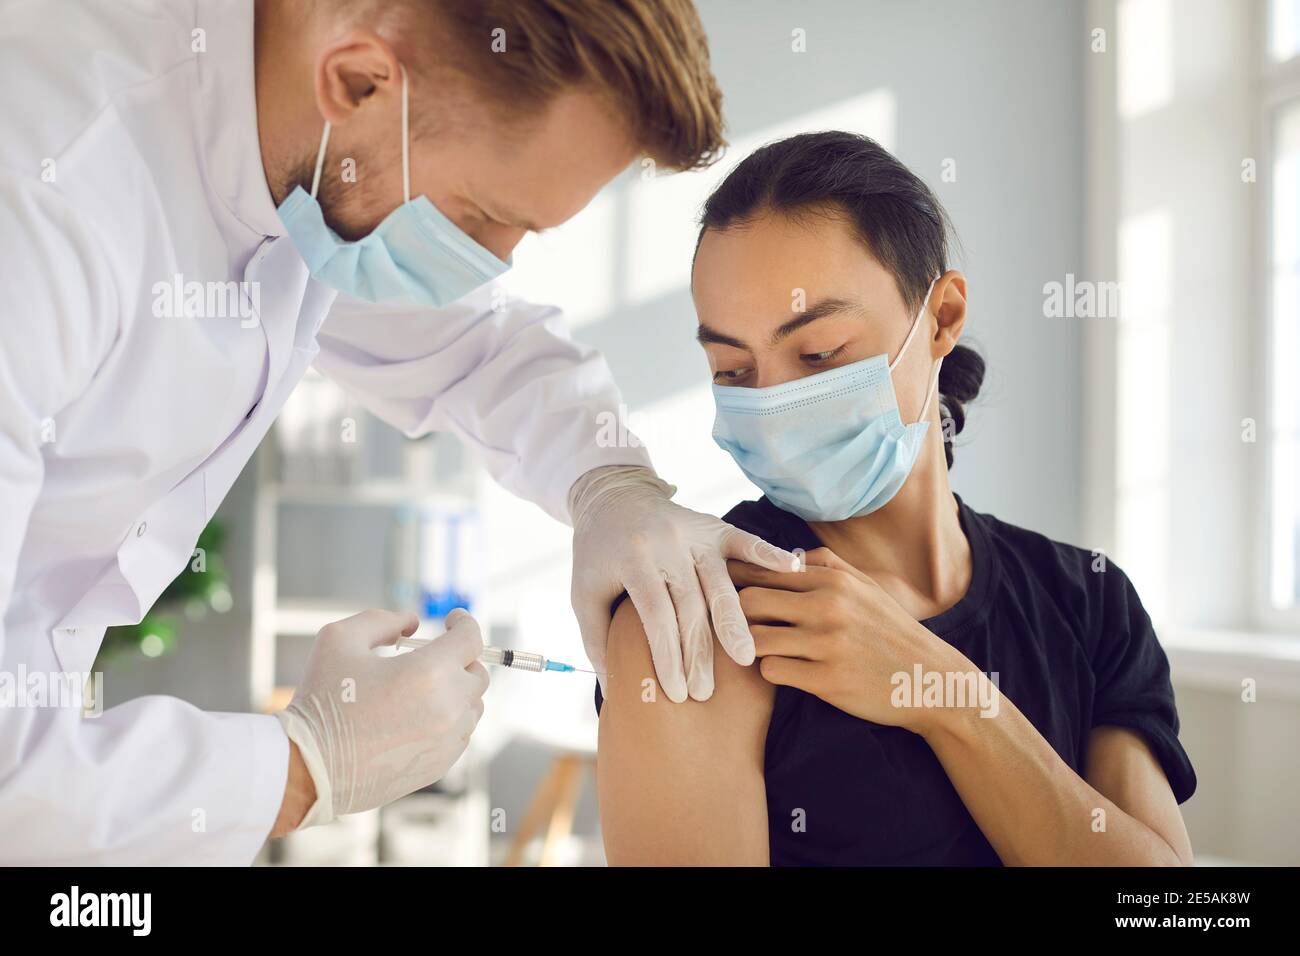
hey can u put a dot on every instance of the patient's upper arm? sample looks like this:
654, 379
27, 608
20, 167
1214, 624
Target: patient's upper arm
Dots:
680, 784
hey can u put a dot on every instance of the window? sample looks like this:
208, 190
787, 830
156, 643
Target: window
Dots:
1282, 89
1284, 29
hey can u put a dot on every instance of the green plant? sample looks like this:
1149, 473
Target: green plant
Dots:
200, 588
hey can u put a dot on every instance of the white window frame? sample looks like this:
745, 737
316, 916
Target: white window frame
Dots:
1279, 87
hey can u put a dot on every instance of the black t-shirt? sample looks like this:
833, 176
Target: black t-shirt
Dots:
1073, 649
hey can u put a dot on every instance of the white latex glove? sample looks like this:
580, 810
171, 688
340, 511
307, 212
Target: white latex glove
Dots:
372, 729
629, 536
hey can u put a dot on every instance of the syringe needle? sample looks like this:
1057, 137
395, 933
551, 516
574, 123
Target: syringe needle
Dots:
508, 658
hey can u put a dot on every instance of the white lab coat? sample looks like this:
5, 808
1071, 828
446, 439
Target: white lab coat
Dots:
127, 159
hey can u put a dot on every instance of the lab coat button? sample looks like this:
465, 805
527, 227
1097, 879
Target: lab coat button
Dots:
141, 528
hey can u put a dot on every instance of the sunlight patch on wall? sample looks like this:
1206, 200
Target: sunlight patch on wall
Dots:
573, 266
665, 210
1284, 29
1143, 383
1145, 49
1284, 347
678, 431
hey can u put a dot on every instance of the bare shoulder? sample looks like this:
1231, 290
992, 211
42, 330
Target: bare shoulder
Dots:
631, 680
680, 784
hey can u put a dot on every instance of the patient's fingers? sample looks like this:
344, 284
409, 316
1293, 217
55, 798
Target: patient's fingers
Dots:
790, 672
697, 639
772, 606
746, 575
659, 619
724, 609
774, 640
826, 558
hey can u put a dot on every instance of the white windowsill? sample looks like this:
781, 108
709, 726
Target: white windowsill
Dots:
1220, 660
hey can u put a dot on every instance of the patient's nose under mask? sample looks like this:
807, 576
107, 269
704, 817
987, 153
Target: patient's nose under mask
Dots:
829, 446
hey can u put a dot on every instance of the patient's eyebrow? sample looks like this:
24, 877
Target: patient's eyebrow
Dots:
818, 310
707, 336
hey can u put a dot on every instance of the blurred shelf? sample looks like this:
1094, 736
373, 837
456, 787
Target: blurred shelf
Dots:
405, 484
305, 618
388, 493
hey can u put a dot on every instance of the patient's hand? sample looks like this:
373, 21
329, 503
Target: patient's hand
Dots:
832, 631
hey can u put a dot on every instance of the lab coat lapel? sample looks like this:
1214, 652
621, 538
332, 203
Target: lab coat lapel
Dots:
293, 307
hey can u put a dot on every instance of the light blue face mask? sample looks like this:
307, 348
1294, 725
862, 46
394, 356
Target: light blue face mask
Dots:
416, 256
829, 446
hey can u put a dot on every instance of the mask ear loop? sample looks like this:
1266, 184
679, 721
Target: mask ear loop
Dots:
406, 145
406, 138
933, 391
320, 160
916, 324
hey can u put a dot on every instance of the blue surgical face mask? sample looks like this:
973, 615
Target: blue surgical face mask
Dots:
829, 446
416, 256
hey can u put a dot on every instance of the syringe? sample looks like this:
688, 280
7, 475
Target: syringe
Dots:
506, 657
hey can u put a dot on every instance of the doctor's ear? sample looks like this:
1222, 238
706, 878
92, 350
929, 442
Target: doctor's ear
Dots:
351, 70
948, 303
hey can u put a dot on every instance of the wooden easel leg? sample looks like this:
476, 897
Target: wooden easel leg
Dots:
539, 809
566, 802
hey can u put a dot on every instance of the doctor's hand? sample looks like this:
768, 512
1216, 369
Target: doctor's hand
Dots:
372, 729
629, 536
832, 631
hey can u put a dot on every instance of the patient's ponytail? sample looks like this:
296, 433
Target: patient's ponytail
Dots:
892, 210
960, 377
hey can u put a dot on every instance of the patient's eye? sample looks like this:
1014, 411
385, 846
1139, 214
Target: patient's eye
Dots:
730, 376
820, 358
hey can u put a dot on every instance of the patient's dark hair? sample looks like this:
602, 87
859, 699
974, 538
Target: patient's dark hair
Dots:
894, 212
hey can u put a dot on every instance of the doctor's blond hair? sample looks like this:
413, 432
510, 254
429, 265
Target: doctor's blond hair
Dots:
650, 57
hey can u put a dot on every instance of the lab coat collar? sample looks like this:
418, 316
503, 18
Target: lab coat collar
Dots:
227, 109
